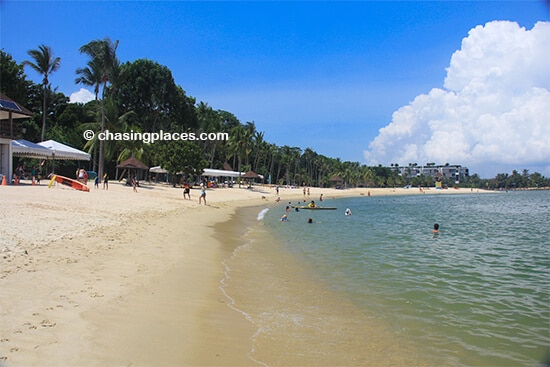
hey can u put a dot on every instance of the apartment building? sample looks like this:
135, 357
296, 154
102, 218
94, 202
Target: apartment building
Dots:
454, 172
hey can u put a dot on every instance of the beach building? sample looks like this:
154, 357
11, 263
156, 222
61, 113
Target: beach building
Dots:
453, 172
10, 130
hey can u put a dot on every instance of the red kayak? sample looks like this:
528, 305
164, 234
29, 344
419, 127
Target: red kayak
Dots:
69, 182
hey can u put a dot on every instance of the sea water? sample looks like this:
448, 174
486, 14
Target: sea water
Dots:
475, 294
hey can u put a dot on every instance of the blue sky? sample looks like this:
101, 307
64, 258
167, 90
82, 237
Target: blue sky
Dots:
324, 75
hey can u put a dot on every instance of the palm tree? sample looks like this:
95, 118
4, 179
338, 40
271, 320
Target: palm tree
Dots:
241, 143
115, 123
44, 63
103, 57
91, 76
209, 121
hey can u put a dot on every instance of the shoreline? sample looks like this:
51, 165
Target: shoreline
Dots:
299, 319
104, 277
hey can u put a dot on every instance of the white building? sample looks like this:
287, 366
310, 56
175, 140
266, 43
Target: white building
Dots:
454, 172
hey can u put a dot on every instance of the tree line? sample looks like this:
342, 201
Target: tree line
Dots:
142, 96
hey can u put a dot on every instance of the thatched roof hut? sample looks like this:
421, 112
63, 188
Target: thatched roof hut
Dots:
133, 167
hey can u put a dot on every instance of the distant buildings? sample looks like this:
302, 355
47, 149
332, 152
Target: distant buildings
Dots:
453, 172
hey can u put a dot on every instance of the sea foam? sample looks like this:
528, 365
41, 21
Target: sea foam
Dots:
262, 213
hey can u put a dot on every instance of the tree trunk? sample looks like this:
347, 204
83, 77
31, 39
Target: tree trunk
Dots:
101, 145
43, 116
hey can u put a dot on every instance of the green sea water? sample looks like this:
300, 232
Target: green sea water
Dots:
475, 294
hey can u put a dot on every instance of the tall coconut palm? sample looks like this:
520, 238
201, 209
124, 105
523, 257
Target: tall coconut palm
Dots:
91, 76
103, 56
115, 123
44, 63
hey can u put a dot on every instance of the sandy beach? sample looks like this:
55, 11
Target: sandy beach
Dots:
113, 277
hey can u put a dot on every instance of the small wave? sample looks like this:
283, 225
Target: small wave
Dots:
261, 214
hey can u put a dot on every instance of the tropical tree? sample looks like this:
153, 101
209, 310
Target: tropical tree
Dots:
114, 123
258, 148
209, 122
180, 156
240, 144
14, 83
103, 57
44, 63
92, 76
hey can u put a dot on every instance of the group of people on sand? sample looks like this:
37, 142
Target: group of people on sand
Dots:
82, 176
105, 181
187, 192
35, 174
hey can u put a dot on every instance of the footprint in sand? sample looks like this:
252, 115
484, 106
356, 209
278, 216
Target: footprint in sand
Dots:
47, 323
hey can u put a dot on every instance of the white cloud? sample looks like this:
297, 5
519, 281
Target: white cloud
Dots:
82, 96
494, 110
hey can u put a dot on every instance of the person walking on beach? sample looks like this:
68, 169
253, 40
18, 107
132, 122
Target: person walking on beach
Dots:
187, 191
203, 195
105, 182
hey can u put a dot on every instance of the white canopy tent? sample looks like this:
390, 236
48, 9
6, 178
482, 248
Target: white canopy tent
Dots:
26, 149
157, 169
62, 151
220, 173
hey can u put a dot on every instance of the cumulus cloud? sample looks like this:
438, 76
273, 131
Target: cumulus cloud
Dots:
82, 96
494, 109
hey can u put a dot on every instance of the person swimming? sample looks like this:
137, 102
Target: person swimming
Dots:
312, 204
436, 228
284, 218
348, 212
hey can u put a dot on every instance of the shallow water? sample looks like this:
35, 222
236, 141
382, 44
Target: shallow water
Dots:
378, 287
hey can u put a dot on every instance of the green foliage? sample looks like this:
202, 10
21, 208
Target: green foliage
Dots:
180, 156
13, 82
148, 89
